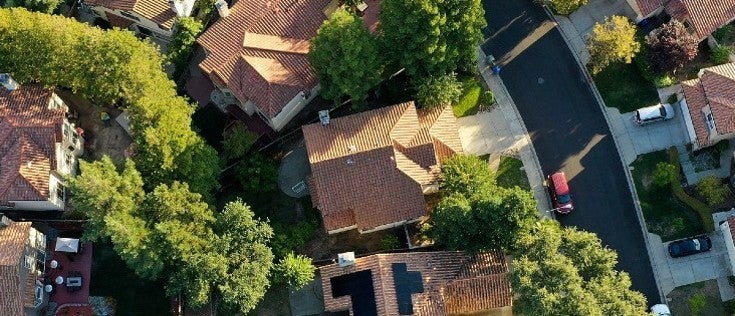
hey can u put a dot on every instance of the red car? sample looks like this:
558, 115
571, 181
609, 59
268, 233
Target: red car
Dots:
560, 195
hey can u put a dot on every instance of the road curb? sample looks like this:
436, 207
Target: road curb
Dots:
628, 177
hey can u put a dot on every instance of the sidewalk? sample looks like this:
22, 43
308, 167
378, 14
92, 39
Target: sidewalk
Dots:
501, 132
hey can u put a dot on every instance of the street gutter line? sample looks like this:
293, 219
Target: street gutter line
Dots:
628, 177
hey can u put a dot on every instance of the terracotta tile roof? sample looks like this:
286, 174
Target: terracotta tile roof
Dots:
705, 16
731, 223
13, 239
383, 156
275, 30
158, 11
453, 282
648, 6
715, 88
29, 131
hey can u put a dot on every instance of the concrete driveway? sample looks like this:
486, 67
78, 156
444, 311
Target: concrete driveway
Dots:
675, 272
636, 140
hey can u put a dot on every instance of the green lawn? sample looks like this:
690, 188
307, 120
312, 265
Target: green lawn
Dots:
134, 296
622, 86
665, 215
469, 102
511, 174
701, 298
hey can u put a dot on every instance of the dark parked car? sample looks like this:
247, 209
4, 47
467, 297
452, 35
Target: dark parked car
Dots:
690, 246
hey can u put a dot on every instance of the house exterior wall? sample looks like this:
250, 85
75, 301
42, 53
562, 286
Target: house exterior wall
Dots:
389, 226
34, 255
729, 245
292, 108
157, 31
688, 122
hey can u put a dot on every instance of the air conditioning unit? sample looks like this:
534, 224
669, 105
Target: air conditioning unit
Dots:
346, 259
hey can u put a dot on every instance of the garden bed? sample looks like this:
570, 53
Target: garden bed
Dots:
701, 298
665, 215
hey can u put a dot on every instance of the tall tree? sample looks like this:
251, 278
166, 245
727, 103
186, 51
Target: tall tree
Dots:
244, 242
346, 58
493, 219
671, 46
438, 91
432, 37
466, 174
295, 270
563, 271
186, 30
612, 41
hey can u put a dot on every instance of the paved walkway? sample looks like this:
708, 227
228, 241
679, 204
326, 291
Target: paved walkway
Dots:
500, 131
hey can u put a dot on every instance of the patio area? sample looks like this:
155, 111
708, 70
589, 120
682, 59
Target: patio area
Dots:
69, 280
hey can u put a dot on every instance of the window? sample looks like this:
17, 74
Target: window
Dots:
29, 262
710, 121
61, 192
129, 15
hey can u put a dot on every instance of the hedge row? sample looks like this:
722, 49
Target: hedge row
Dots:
702, 209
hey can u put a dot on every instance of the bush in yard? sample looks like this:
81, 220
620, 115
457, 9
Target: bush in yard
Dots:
720, 55
294, 270
186, 30
487, 98
702, 209
389, 242
697, 303
665, 174
439, 91
238, 141
565, 7
670, 47
43, 6
724, 34
612, 41
644, 66
713, 190
466, 174
257, 174
289, 238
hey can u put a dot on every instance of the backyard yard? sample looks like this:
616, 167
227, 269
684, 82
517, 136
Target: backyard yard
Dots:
665, 215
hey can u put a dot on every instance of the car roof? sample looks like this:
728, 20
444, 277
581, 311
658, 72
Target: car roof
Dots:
560, 183
650, 112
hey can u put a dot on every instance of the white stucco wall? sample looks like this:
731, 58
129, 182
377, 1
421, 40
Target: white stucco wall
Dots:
729, 245
157, 31
292, 108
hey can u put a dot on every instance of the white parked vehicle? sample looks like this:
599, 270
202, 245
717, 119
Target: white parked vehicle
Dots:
654, 113
660, 310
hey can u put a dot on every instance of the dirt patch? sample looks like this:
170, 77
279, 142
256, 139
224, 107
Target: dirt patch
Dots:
702, 298
100, 139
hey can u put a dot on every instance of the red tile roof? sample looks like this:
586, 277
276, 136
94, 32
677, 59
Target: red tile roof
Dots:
731, 224
13, 239
715, 88
158, 11
705, 16
29, 131
648, 6
453, 282
260, 50
383, 157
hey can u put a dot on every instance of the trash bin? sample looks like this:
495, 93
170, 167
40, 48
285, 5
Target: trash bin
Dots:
496, 69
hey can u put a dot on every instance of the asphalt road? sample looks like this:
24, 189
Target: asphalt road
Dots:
568, 130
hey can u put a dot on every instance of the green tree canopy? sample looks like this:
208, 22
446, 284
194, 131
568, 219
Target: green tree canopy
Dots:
117, 69
466, 174
43, 6
186, 30
612, 41
483, 221
713, 190
439, 91
238, 141
346, 58
563, 271
295, 270
565, 7
431, 37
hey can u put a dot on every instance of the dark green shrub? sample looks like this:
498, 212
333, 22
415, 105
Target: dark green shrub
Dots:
720, 55
439, 91
389, 242
724, 34
713, 190
702, 209
665, 174
289, 238
565, 7
181, 47
487, 98
646, 69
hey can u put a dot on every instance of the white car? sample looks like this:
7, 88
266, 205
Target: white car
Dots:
660, 310
654, 113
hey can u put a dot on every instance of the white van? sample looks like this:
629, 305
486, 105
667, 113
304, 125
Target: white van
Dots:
654, 113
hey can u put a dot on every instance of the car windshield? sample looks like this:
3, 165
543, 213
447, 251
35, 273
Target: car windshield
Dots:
663, 111
565, 198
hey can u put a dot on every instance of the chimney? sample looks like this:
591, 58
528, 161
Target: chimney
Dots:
324, 117
222, 8
7, 81
182, 8
346, 259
